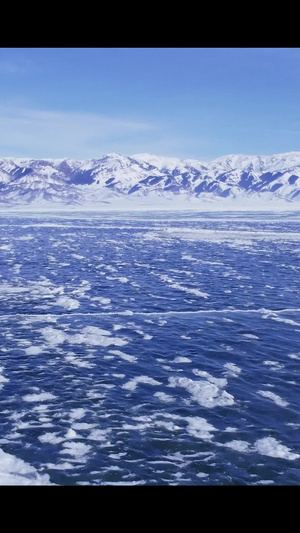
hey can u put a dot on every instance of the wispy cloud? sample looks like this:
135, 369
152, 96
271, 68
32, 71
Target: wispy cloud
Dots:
26, 132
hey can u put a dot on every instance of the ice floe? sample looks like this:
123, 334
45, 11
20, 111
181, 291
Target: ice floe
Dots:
274, 397
14, 471
204, 392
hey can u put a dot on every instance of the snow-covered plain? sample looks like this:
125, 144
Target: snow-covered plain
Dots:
149, 348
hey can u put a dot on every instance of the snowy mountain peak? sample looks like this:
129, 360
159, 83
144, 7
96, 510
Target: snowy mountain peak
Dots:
114, 175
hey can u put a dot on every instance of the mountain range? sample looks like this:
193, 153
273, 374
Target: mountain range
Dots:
114, 176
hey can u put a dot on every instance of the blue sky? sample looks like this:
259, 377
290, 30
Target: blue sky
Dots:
199, 103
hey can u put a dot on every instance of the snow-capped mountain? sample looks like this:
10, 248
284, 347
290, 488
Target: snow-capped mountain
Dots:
75, 182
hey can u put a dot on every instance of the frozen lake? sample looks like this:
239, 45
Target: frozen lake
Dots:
150, 348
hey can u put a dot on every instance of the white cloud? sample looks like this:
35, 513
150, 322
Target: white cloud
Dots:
26, 132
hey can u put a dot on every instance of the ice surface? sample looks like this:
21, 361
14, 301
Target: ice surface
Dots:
271, 447
143, 382
14, 471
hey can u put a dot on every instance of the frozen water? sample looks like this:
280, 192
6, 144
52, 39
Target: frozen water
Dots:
149, 348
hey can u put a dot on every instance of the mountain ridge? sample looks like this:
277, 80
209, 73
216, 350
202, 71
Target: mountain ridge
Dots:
69, 181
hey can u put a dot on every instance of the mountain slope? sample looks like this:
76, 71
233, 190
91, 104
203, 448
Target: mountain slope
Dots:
75, 182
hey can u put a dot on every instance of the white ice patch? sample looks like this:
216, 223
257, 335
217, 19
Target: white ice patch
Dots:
249, 336
50, 438
83, 425
274, 397
274, 365
2, 378
53, 336
61, 466
264, 482
132, 384
196, 292
232, 370
188, 257
200, 428
77, 414
220, 382
16, 268
42, 397
286, 320
272, 448
101, 300
25, 238
14, 471
176, 285
294, 356
79, 450
180, 359
73, 360
238, 445
71, 434
100, 435
163, 397
206, 393
67, 303
125, 356
33, 350
90, 335
146, 422
219, 236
